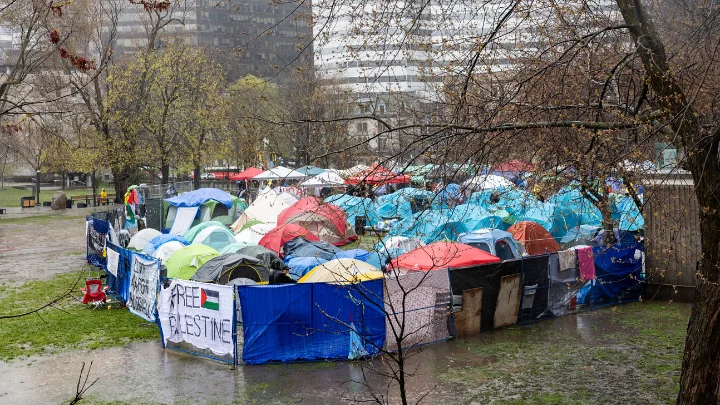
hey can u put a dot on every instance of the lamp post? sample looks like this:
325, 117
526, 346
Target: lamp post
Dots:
37, 187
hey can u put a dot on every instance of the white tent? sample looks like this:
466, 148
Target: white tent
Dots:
140, 239
353, 171
253, 234
486, 182
265, 208
167, 249
328, 178
280, 172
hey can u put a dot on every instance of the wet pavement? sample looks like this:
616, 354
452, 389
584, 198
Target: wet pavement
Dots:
508, 363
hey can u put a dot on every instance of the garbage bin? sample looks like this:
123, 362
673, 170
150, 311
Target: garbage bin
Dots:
68, 203
360, 225
27, 202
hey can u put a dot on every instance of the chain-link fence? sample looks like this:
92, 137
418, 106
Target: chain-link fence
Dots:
160, 190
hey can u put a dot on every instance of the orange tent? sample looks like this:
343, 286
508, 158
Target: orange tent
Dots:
537, 240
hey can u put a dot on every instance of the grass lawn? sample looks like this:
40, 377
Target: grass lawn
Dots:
10, 196
70, 326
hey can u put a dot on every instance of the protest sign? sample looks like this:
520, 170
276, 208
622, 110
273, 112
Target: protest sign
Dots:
200, 314
144, 276
113, 260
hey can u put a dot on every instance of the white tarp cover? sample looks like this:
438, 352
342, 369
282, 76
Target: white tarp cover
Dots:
198, 313
329, 178
280, 172
184, 218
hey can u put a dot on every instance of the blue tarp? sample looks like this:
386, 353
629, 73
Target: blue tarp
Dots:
119, 285
355, 207
430, 226
301, 247
197, 197
405, 202
619, 274
476, 217
283, 323
95, 242
299, 266
579, 232
570, 210
159, 240
626, 214
359, 254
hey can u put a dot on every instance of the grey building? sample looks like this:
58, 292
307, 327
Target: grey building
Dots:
259, 37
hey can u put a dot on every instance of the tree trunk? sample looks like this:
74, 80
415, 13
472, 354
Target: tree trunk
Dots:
196, 178
165, 173
607, 222
121, 181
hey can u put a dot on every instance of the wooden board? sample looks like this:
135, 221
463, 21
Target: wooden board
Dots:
467, 320
508, 302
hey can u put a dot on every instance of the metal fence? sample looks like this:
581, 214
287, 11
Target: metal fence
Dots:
159, 190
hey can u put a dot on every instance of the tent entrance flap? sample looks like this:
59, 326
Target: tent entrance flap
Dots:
183, 220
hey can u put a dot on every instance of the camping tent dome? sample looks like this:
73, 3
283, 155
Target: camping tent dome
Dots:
443, 255
216, 237
140, 239
166, 250
276, 238
266, 208
536, 239
224, 268
494, 241
211, 203
160, 240
233, 247
186, 261
341, 271
266, 256
252, 235
326, 221
191, 233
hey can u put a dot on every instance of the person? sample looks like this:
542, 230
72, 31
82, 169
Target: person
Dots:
280, 277
103, 196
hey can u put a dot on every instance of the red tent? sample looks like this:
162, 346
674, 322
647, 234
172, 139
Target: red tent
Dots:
326, 221
537, 240
443, 255
246, 174
275, 239
514, 166
377, 174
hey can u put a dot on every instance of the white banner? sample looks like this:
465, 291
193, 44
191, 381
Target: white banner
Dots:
113, 261
144, 277
198, 313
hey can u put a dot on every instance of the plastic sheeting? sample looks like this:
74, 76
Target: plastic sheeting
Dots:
315, 321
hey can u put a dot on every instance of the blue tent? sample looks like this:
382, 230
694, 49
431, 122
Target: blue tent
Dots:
310, 170
451, 193
580, 232
299, 266
358, 254
155, 242
197, 197
543, 215
624, 238
405, 202
619, 275
626, 214
476, 217
515, 202
301, 247
394, 246
430, 226
572, 209
354, 207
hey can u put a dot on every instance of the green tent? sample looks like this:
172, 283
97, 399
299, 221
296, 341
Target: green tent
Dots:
191, 233
185, 262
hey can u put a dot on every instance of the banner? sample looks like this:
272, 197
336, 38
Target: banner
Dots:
144, 277
113, 261
200, 314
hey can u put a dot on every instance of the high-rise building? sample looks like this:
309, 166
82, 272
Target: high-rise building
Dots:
257, 37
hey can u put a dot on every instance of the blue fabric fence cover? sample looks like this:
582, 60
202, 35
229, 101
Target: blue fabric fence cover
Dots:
97, 232
619, 274
314, 321
119, 285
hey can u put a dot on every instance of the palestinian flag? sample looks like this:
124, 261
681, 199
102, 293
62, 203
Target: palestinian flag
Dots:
210, 299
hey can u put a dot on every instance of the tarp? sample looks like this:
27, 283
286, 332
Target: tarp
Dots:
183, 220
358, 254
299, 266
197, 197
276, 238
430, 226
300, 247
311, 170
246, 174
159, 240
267, 257
223, 268
619, 274
311, 321
406, 202
536, 239
280, 173
476, 217
587, 232
443, 255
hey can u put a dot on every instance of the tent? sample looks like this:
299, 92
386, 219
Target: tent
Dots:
205, 203
430, 226
300, 266
570, 210
475, 217
266, 256
494, 241
280, 173
341, 271
627, 214
191, 233
266, 208
536, 239
542, 215
514, 166
355, 207
301, 247
140, 239
377, 174
443, 255
224, 268
166, 250
486, 182
276, 238
585, 233
451, 193
311, 170
406, 202
353, 171
252, 235
623, 238
357, 254
216, 237
234, 247
394, 246
326, 221
246, 174
185, 262
328, 178
159, 240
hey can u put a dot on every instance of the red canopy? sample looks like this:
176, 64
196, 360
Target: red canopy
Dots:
515, 166
443, 255
275, 239
326, 221
377, 174
537, 240
246, 174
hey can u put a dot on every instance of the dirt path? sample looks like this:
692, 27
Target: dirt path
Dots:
40, 247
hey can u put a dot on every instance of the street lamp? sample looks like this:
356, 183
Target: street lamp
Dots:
37, 187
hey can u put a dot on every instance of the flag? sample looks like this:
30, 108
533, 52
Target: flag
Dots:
210, 299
